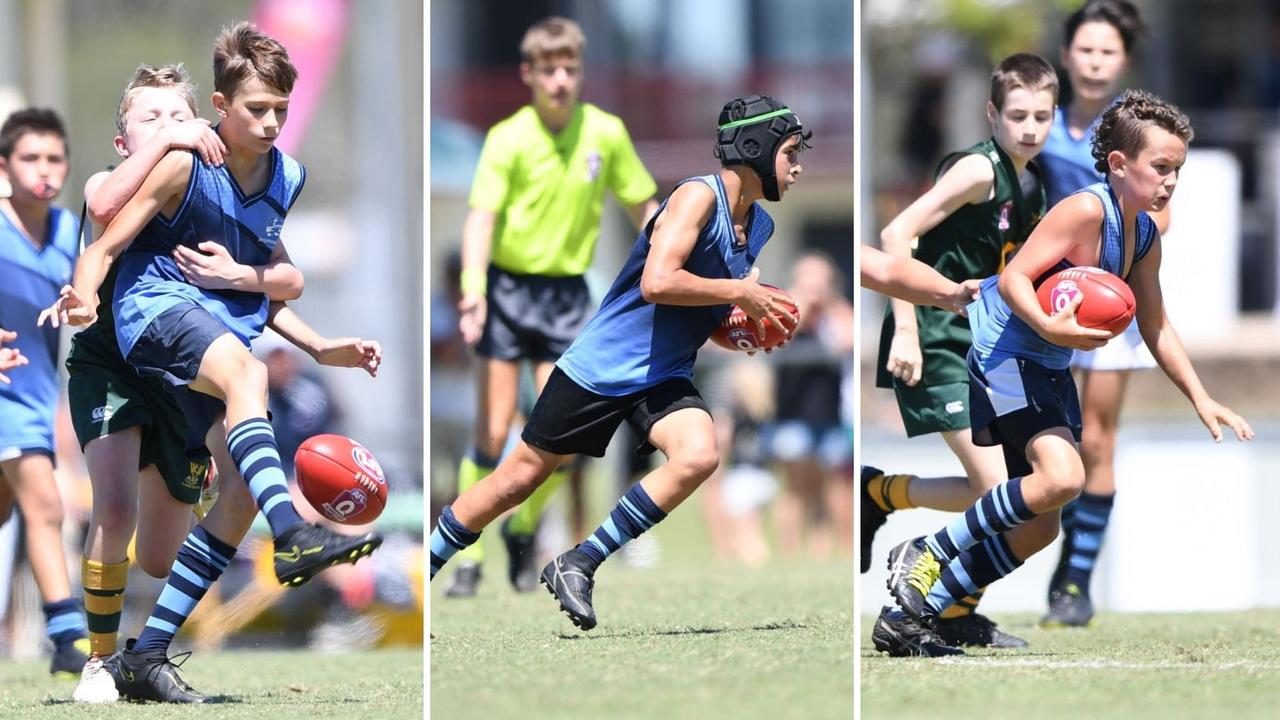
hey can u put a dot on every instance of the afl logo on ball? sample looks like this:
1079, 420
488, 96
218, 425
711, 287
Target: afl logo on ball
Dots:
1063, 294
368, 463
348, 503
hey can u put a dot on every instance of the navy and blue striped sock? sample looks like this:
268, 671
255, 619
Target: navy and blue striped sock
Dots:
448, 538
253, 448
1089, 517
633, 514
974, 569
200, 562
64, 622
999, 510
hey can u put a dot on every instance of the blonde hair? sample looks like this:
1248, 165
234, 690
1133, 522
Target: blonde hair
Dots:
550, 37
172, 76
242, 51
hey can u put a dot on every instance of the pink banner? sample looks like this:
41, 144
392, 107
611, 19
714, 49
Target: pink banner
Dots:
312, 31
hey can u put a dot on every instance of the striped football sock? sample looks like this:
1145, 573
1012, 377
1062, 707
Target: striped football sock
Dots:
999, 510
448, 539
1090, 515
200, 562
634, 514
974, 569
64, 622
253, 448
103, 602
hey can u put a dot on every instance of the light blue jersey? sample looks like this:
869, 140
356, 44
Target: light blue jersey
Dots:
630, 344
1068, 163
30, 279
998, 334
213, 209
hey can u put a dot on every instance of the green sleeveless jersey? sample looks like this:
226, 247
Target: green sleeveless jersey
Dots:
973, 242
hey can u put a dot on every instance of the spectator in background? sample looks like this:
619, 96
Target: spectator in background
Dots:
809, 438
300, 404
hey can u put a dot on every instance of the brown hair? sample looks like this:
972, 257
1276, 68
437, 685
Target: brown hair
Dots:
147, 76
242, 51
1022, 70
1119, 14
1124, 123
39, 121
552, 36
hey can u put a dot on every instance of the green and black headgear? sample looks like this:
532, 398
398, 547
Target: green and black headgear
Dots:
751, 129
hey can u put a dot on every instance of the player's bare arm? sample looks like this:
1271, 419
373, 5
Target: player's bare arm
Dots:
966, 182
1069, 231
352, 352
113, 190
1159, 335
915, 282
641, 212
477, 242
210, 266
665, 281
10, 358
162, 191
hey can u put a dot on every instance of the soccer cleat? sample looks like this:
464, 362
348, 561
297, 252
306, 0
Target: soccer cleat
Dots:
465, 580
1069, 606
96, 684
521, 557
151, 675
69, 660
570, 579
899, 635
873, 516
912, 572
974, 630
306, 549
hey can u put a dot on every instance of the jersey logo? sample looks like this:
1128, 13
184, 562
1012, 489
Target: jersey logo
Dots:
103, 414
594, 163
1005, 209
196, 472
273, 229
955, 407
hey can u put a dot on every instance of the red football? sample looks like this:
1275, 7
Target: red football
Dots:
341, 479
1108, 302
738, 332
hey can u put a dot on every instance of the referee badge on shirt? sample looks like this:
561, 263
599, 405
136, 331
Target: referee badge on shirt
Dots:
593, 166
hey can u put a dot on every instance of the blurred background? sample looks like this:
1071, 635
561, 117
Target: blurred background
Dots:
356, 232
925, 75
666, 73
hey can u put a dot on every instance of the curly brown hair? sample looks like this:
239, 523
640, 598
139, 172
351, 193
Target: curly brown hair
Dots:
1123, 124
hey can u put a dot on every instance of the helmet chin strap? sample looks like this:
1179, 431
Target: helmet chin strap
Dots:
770, 184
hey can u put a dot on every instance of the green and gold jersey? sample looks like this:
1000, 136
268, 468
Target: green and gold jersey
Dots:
976, 241
547, 190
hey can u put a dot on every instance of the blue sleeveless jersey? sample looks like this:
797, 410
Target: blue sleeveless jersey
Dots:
213, 209
1068, 164
630, 345
998, 334
30, 280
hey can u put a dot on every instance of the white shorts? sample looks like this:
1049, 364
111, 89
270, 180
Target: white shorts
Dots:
1125, 351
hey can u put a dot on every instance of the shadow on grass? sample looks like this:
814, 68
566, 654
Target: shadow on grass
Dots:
677, 632
212, 700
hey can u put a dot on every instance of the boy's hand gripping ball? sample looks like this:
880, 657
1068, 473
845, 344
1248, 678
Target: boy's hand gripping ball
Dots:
739, 332
1108, 302
341, 479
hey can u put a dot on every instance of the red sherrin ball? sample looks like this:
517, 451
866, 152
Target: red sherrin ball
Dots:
738, 332
1108, 301
341, 479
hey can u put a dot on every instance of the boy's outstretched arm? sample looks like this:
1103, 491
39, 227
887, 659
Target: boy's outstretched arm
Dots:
477, 243
77, 304
211, 267
335, 352
966, 182
665, 281
1166, 346
111, 193
913, 281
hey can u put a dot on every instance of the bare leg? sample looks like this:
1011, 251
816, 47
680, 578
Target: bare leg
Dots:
36, 492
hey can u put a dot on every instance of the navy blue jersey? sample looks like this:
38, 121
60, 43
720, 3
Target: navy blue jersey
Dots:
30, 279
998, 334
1068, 163
630, 344
213, 209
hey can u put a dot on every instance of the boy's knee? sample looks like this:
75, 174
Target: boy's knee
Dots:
698, 462
152, 563
114, 517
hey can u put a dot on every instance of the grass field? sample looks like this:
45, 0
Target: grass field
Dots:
245, 684
687, 639
1202, 665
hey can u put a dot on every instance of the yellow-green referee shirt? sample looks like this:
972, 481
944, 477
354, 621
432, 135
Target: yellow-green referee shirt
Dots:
547, 191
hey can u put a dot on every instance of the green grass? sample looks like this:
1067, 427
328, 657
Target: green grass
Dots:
1191, 665
245, 684
687, 639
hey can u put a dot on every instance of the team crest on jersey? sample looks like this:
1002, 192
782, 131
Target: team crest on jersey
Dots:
594, 163
1005, 209
272, 231
365, 460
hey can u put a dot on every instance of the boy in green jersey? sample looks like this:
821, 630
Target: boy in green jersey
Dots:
985, 202
528, 239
